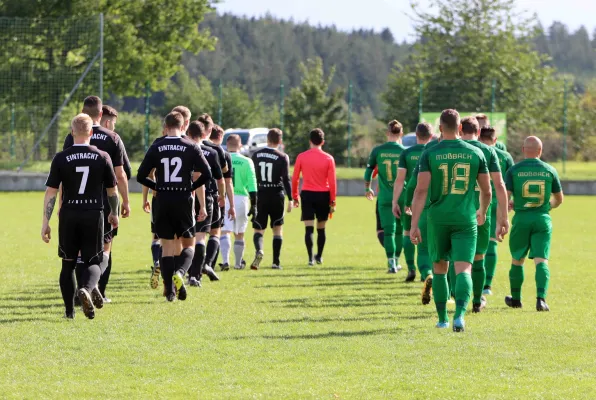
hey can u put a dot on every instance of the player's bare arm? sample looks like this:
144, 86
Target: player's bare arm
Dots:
398, 188
230, 194
418, 202
556, 199
485, 197
114, 203
221, 189
146, 202
123, 189
49, 202
503, 226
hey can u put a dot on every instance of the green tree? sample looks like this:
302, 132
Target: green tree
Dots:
314, 105
144, 42
463, 48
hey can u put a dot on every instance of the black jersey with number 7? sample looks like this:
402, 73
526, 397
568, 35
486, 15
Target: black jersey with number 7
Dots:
83, 171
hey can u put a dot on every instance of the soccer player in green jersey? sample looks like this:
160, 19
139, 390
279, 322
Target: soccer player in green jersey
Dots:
470, 131
386, 157
483, 121
488, 136
448, 173
245, 201
535, 189
407, 163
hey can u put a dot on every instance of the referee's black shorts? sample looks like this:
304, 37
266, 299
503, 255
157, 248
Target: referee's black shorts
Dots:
315, 204
81, 231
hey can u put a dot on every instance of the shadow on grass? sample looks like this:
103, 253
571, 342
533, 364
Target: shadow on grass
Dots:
325, 335
320, 319
333, 283
30, 319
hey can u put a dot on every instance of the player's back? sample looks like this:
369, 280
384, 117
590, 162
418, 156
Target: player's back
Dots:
454, 166
83, 170
213, 159
243, 174
174, 160
532, 182
223, 157
386, 156
411, 156
271, 167
105, 140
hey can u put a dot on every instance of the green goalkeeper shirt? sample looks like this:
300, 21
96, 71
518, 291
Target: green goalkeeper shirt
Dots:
245, 179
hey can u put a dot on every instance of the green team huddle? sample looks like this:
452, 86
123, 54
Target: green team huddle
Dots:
447, 199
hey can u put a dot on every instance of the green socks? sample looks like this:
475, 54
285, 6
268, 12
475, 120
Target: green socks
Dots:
463, 290
389, 244
441, 295
398, 244
423, 261
451, 278
409, 252
478, 276
542, 280
490, 262
516, 279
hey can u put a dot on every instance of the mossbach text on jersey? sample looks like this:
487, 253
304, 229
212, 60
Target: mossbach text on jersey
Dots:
389, 155
171, 147
526, 174
453, 156
82, 156
267, 155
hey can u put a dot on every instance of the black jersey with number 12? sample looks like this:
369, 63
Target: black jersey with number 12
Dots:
83, 171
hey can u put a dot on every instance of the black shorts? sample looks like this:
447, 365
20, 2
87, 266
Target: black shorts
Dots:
81, 231
217, 219
108, 232
270, 205
315, 204
152, 213
379, 226
174, 217
205, 225
222, 216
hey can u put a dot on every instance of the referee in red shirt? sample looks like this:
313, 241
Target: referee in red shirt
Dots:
318, 193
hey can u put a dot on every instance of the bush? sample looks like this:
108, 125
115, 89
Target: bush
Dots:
131, 128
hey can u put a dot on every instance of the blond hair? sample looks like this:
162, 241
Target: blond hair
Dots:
81, 125
185, 111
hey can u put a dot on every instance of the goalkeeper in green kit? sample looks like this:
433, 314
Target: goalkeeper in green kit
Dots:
386, 157
535, 188
448, 173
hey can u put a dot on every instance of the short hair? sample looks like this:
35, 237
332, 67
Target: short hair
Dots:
216, 132
173, 120
317, 136
424, 130
488, 133
185, 111
109, 112
274, 136
206, 120
482, 117
233, 140
395, 127
470, 125
450, 119
92, 106
196, 129
81, 124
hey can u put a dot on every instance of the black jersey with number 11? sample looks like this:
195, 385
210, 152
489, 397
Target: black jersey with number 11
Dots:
272, 168
83, 171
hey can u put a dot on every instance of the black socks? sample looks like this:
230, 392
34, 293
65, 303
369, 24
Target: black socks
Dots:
308, 240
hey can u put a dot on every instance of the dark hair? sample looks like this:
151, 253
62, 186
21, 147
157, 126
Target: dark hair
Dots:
317, 136
488, 133
450, 119
206, 120
274, 136
216, 132
196, 130
185, 111
233, 138
470, 125
92, 106
395, 127
173, 120
109, 111
424, 130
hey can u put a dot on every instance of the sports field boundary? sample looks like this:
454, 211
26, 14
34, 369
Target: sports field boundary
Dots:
11, 181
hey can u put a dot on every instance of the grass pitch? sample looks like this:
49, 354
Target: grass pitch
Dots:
342, 330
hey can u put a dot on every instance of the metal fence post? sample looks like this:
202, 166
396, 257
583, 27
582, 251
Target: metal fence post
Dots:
350, 125
220, 104
281, 105
12, 128
493, 99
420, 101
565, 95
101, 55
147, 113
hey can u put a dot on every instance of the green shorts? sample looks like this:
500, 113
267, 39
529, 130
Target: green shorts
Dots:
452, 242
423, 225
483, 237
389, 223
406, 220
493, 219
530, 232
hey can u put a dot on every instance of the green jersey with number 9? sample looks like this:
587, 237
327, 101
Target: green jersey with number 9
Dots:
386, 157
454, 166
532, 182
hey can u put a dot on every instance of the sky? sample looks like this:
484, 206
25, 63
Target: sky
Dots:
379, 14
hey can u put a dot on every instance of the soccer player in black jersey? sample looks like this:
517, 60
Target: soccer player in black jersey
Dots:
84, 172
176, 161
213, 189
273, 169
108, 141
